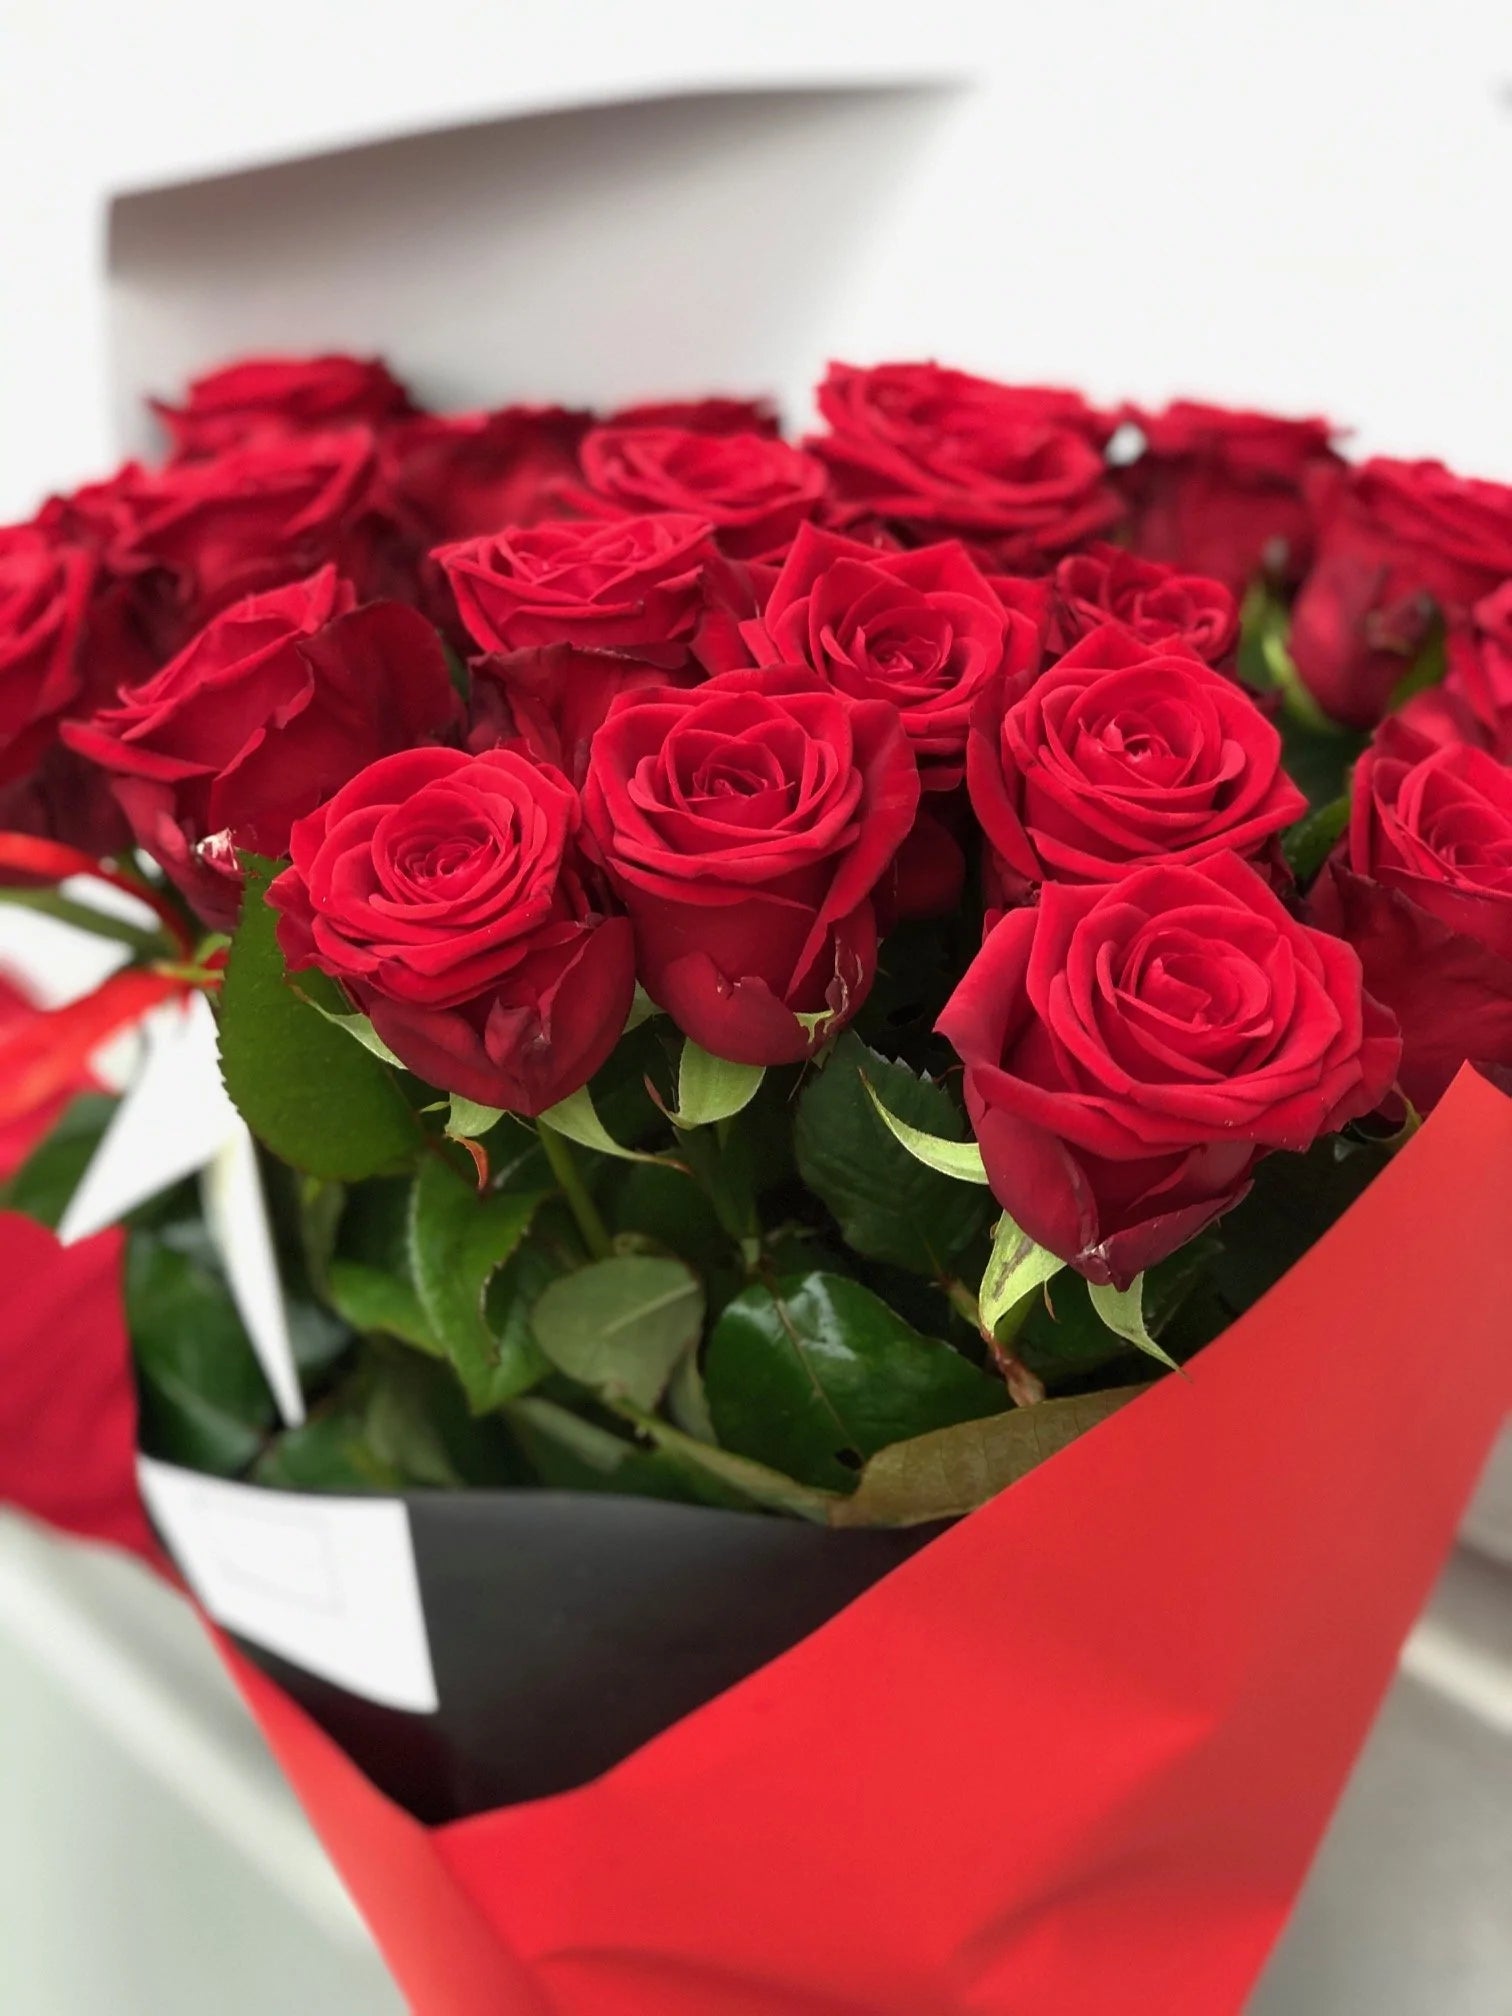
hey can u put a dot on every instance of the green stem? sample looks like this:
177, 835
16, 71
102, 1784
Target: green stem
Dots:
48, 903
1024, 1386
559, 1155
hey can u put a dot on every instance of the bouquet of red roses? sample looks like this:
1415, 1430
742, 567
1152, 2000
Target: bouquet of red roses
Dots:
773, 987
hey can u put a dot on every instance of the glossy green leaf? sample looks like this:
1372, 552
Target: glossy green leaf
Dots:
620, 1325
1308, 844
577, 1118
371, 1299
1017, 1267
204, 1400
358, 1027
720, 1477
960, 1159
466, 1120
710, 1089
1122, 1309
819, 1374
457, 1242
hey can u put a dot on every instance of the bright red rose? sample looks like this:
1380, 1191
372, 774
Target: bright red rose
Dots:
1131, 1052
1152, 602
746, 823
445, 893
1227, 493
716, 415
1397, 541
1422, 888
464, 475
263, 396
44, 596
755, 491
636, 585
923, 630
276, 703
1119, 755
934, 452
1474, 702
553, 700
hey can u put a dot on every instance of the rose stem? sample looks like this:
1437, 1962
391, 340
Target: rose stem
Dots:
570, 1182
1025, 1388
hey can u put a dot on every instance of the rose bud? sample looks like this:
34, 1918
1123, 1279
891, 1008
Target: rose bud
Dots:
264, 396
745, 824
1154, 603
1120, 754
276, 703
1225, 493
1474, 701
1131, 1052
1397, 541
935, 452
464, 475
923, 630
755, 491
444, 892
1422, 888
44, 596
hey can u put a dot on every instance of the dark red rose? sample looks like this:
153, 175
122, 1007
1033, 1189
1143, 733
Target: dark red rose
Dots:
1131, 1052
276, 703
717, 415
746, 823
1397, 541
1227, 493
444, 892
934, 452
923, 630
463, 475
1121, 754
44, 596
1422, 888
635, 585
755, 491
553, 700
281, 395
1151, 601
1474, 702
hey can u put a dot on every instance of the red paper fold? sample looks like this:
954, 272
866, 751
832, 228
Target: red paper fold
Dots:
1072, 1758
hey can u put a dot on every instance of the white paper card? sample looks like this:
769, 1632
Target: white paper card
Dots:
327, 1583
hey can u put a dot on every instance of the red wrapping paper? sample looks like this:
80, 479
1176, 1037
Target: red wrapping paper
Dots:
1076, 1755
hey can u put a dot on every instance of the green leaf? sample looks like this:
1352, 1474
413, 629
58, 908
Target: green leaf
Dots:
1065, 1338
359, 1027
951, 1472
373, 1300
457, 1242
329, 1452
466, 1120
43, 1186
569, 1453
1017, 1267
316, 1098
687, 1401
619, 1326
204, 1400
1122, 1309
817, 1375
719, 1477
710, 1089
888, 1204
960, 1159
1308, 844
578, 1119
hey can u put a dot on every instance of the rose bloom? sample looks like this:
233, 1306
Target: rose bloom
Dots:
755, 491
745, 824
1474, 701
1227, 493
464, 475
1132, 1051
923, 630
1397, 540
276, 703
718, 414
282, 395
1422, 888
44, 597
445, 893
1153, 602
935, 452
1120, 754
552, 700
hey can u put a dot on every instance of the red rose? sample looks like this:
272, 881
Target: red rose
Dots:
463, 475
1422, 888
1474, 702
717, 415
753, 490
1118, 755
281, 395
1397, 539
1226, 493
923, 630
445, 893
1152, 602
635, 585
1131, 1052
276, 703
44, 595
935, 452
553, 700
745, 823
